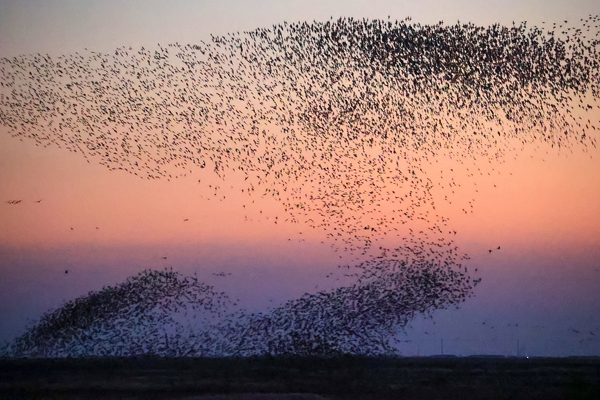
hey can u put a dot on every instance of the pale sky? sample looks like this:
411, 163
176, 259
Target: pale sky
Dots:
30, 26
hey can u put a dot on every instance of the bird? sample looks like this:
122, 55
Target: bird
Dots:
334, 137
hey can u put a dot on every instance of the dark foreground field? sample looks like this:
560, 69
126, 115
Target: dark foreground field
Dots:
301, 378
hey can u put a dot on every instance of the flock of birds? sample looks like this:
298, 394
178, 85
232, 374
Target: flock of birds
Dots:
167, 314
342, 123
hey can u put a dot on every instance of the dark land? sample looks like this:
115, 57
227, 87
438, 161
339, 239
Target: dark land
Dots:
345, 377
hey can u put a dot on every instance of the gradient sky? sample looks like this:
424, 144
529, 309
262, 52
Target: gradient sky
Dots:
544, 211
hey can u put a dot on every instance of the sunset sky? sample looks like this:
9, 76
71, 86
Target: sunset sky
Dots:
542, 207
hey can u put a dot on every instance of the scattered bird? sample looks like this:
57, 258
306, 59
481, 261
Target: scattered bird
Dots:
349, 119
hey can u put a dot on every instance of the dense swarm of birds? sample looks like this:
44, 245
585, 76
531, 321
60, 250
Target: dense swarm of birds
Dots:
332, 120
145, 314
164, 313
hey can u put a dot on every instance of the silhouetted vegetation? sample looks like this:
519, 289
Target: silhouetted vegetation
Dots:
344, 377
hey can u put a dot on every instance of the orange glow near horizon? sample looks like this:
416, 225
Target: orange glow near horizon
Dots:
536, 198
